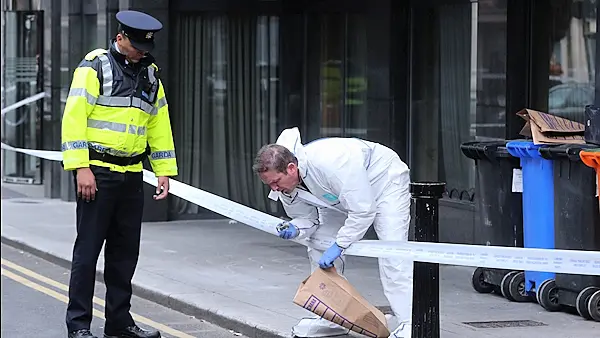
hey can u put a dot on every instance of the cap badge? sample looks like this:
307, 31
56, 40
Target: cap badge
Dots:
149, 35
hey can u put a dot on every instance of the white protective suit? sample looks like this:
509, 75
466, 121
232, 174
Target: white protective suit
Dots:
364, 183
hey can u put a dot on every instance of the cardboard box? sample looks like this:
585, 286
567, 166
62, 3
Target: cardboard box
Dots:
549, 129
330, 296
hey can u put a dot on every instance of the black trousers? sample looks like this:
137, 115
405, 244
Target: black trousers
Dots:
114, 218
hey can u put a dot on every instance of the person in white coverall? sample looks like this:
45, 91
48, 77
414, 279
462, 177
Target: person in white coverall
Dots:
357, 183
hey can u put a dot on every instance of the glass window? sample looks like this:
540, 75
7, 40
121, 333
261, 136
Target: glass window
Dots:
66, 44
23, 36
489, 63
458, 88
107, 22
331, 74
355, 84
572, 61
337, 63
224, 102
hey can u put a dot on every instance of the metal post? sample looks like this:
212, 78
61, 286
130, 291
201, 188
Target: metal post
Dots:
426, 283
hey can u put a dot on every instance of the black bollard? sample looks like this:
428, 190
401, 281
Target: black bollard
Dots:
426, 283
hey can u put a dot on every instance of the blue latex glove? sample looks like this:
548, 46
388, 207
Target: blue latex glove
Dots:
287, 231
329, 256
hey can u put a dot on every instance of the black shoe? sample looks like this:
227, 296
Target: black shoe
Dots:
133, 331
84, 333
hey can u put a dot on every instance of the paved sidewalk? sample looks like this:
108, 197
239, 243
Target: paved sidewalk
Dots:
243, 279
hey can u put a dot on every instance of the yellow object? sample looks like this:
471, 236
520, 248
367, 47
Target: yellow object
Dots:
120, 125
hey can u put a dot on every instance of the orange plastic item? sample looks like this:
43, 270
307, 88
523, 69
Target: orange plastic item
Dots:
591, 158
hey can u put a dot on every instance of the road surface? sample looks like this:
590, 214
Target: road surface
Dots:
34, 298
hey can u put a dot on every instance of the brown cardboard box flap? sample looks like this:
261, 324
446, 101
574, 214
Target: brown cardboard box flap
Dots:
549, 129
332, 297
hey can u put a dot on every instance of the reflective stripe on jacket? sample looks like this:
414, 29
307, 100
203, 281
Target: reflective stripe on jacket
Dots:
117, 109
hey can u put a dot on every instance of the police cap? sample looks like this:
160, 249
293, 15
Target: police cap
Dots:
139, 27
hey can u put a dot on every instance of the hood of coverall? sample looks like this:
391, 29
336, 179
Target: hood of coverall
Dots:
290, 138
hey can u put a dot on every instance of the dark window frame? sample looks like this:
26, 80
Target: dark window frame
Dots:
527, 77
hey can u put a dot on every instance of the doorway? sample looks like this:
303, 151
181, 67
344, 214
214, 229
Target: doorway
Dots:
22, 80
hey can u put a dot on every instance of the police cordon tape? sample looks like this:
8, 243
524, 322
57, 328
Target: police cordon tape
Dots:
532, 259
24, 102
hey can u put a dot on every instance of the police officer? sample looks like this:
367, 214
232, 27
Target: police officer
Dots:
116, 114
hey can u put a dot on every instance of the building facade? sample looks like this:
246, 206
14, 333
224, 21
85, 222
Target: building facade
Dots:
422, 77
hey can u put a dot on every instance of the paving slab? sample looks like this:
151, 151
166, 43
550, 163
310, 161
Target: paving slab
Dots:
243, 279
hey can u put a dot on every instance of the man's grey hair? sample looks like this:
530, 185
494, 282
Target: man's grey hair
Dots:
273, 157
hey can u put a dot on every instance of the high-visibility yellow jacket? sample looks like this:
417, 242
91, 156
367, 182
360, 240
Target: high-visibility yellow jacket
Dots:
118, 109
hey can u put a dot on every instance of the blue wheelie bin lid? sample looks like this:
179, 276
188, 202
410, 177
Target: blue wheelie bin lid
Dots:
523, 149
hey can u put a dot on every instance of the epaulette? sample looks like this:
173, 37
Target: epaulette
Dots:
157, 70
95, 53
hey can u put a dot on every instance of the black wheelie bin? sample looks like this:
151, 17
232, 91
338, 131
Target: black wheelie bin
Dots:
576, 227
500, 211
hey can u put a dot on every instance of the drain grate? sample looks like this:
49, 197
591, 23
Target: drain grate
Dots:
497, 324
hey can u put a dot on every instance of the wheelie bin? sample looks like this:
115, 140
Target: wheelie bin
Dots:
588, 300
538, 207
576, 226
499, 209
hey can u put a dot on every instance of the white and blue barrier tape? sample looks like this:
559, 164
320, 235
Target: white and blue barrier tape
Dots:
21, 103
548, 260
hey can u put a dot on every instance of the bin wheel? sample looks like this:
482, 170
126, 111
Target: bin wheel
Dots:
516, 288
504, 285
478, 282
547, 296
537, 291
593, 306
538, 288
581, 304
